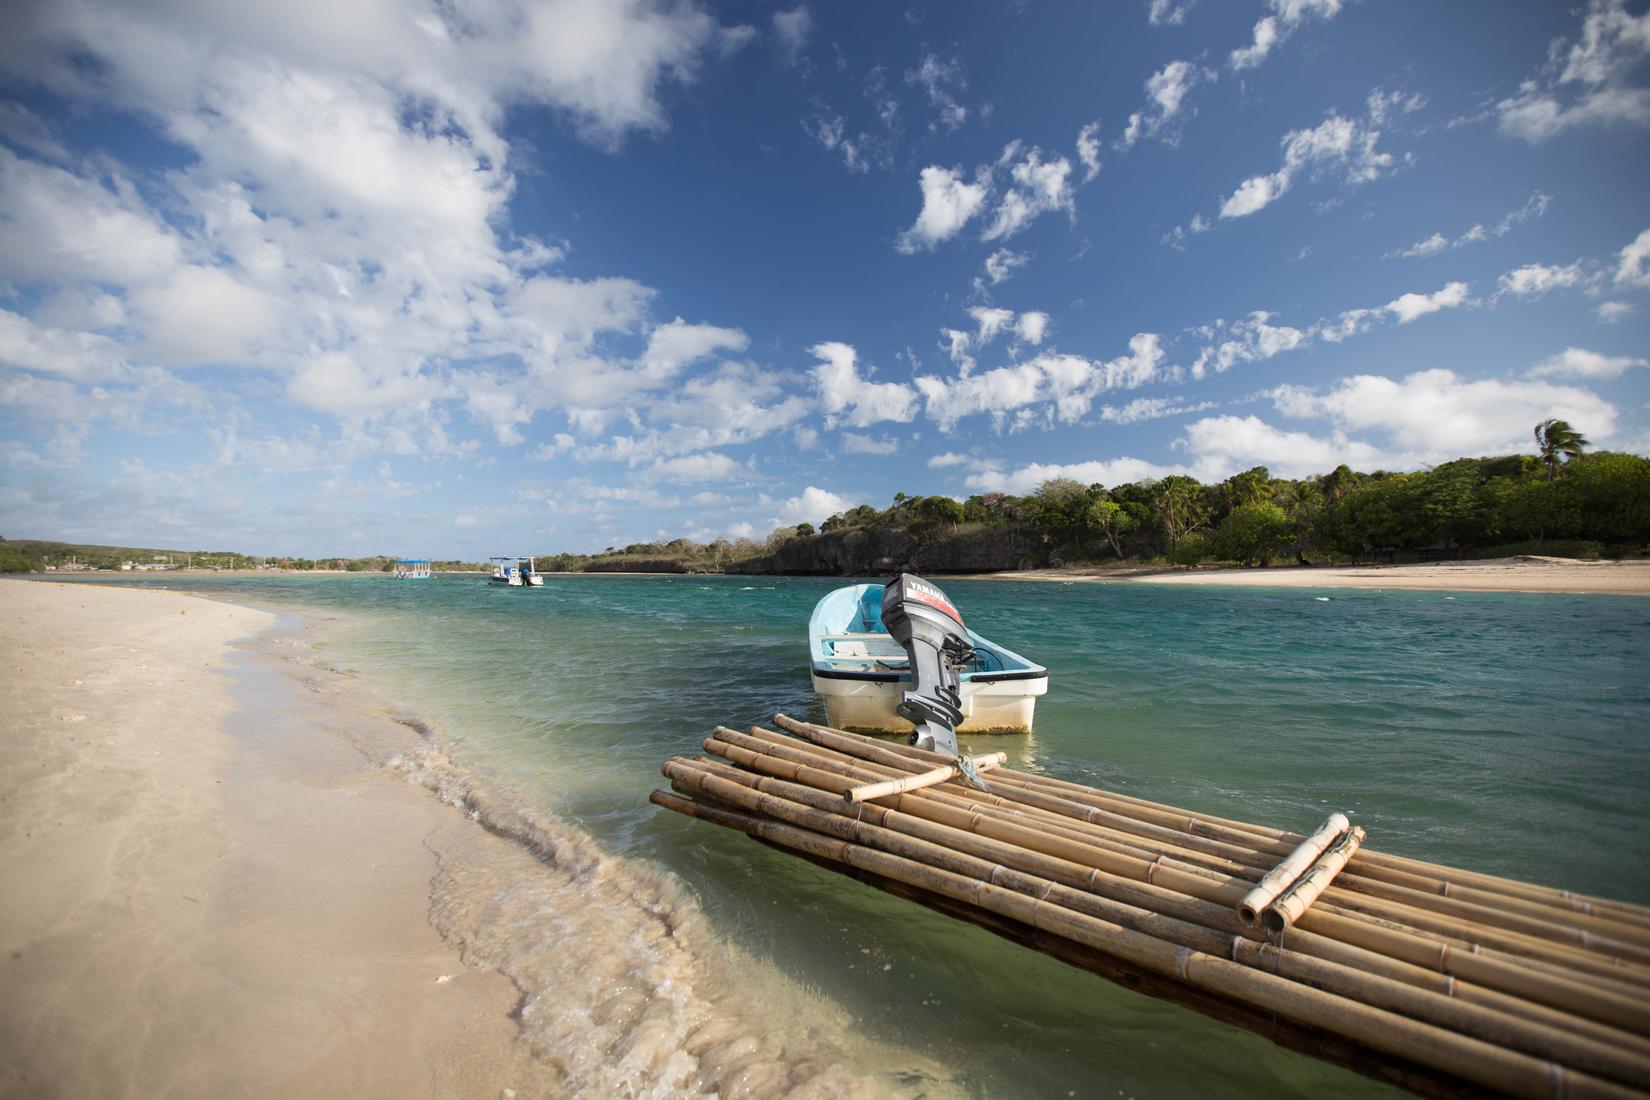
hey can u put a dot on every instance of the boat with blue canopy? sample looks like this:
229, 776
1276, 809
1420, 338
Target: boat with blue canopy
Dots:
928, 673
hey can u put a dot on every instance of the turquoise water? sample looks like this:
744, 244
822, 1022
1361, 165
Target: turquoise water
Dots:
1503, 733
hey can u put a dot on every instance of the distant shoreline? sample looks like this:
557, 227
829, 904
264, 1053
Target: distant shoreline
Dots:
1525, 573
1519, 574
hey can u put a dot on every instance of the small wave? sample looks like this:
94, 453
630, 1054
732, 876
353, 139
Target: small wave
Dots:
626, 989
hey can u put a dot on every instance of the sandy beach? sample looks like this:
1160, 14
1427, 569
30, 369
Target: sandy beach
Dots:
190, 910
1521, 574
230, 869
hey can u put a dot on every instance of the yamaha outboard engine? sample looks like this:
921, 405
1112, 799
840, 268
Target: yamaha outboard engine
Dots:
921, 618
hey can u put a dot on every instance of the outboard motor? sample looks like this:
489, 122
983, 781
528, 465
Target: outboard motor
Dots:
921, 619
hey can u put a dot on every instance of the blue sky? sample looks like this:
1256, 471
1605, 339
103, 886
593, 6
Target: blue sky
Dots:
454, 279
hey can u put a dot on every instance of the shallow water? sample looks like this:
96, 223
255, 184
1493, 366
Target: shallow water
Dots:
1503, 733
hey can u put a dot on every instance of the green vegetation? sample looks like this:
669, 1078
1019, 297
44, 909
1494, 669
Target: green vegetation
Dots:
34, 556
1564, 502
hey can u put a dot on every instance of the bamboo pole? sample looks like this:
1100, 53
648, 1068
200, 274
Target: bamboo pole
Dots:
1439, 945
1003, 865
1580, 948
1444, 879
921, 779
1193, 910
1287, 908
1565, 991
1455, 922
1446, 1051
1292, 867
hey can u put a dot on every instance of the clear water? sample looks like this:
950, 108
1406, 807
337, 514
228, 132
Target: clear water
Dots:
1503, 733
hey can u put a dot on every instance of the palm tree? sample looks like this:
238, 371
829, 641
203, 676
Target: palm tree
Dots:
1556, 438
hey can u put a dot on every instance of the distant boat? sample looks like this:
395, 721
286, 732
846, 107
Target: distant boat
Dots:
412, 569
864, 673
515, 572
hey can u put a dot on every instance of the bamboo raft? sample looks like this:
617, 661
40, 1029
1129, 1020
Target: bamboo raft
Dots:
1444, 982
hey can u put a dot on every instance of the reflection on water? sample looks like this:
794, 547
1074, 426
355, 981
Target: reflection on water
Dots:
1505, 733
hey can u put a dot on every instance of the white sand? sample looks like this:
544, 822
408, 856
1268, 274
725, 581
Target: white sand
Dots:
1522, 574
189, 912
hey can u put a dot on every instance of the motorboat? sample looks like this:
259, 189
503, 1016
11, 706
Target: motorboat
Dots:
897, 658
515, 572
412, 569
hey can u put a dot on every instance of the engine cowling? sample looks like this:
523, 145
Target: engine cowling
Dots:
924, 621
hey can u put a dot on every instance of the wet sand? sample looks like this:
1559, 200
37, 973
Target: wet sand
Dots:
1521, 574
201, 903
230, 869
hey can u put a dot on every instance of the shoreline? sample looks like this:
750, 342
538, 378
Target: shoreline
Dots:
310, 896
208, 893
1521, 574
1564, 576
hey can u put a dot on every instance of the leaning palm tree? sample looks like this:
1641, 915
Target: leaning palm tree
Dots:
1558, 443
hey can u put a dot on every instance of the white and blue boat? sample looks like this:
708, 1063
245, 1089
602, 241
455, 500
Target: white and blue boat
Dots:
864, 673
412, 569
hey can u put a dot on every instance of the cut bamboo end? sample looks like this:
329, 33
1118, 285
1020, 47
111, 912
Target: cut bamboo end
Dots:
1292, 867
1284, 911
1506, 986
922, 779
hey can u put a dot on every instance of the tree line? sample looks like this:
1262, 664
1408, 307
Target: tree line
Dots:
1563, 500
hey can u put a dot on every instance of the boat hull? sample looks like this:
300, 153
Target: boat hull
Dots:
1002, 706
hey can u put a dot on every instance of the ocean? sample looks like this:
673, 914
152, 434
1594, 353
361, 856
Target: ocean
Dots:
1498, 732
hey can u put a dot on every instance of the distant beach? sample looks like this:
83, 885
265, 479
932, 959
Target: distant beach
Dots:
1521, 574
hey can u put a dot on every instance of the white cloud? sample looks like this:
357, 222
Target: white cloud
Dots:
1110, 472
1337, 143
948, 458
1611, 312
848, 398
1088, 150
1533, 280
792, 28
1271, 30
1247, 341
1429, 247
1633, 268
1223, 445
1535, 116
1604, 55
1408, 307
676, 344
1047, 388
73, 355
948, 203
1031, 327
1384, 105
707, 466
1150, 408
1038, 187
1168, 13
1003, 263
855, 444
943, 81
56, 226
1535, 206
1436, 415
1166, 95
989, 323
1176, 237
1581, 363
813, 505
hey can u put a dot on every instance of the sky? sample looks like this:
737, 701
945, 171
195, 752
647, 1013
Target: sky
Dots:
480, 277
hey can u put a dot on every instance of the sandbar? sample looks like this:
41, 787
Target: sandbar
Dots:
199, 908
1520, 574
